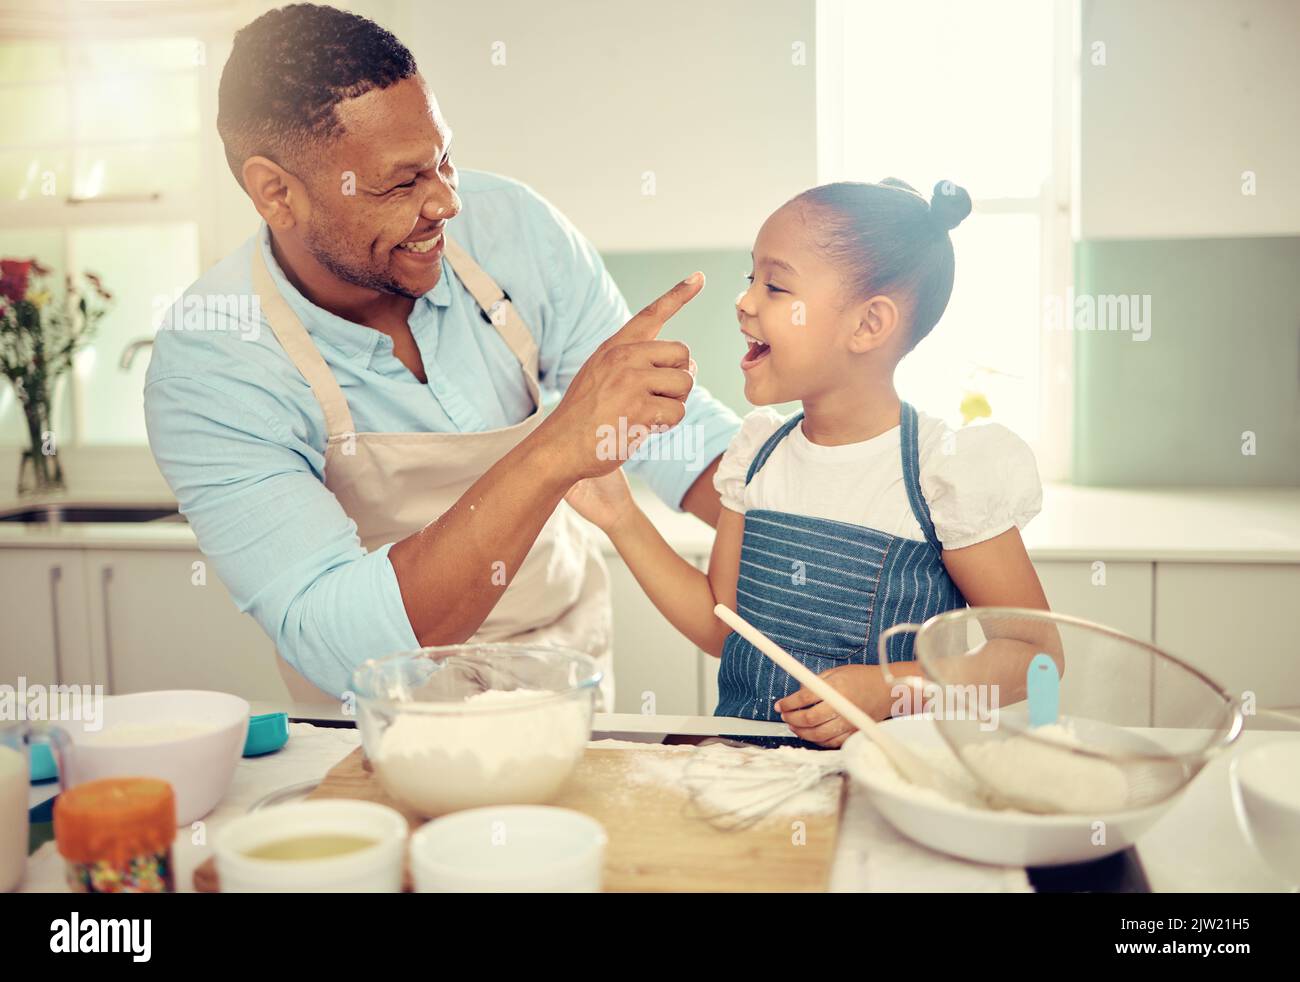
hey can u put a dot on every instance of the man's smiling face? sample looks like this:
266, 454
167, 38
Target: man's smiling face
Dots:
387, 235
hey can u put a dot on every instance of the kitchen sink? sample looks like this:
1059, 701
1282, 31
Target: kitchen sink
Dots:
52, 514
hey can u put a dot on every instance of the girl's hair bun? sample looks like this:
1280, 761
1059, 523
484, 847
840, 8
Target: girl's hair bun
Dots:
885, 238
949, 205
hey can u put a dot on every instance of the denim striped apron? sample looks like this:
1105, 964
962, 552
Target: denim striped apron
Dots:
824, 590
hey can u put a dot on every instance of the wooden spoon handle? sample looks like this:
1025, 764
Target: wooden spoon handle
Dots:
907, 763
841, 703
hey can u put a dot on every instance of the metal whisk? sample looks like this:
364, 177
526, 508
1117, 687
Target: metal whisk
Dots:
735, 788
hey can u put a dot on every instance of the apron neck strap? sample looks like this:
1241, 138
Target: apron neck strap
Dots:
766, 449
500, 312
306, 357
298, 345
909, 447
911, 453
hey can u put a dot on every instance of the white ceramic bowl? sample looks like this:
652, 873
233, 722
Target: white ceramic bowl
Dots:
1000, 838
1266, 796
373, 869
201, 740
510, 849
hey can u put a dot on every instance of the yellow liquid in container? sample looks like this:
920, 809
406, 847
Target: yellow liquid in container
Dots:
310, 847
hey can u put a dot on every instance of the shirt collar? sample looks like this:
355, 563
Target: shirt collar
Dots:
352, 340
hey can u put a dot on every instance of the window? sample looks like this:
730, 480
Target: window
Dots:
100, 170
938, 90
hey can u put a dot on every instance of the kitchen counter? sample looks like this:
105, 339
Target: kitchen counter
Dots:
869, 854
1196, 846
1224, 525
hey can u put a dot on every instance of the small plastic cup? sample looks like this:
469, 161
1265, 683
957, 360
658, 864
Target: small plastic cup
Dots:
509, 849
372, 868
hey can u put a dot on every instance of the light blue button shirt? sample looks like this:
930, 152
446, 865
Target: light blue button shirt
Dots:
241, 439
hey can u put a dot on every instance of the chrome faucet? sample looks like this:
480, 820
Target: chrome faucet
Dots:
129, 352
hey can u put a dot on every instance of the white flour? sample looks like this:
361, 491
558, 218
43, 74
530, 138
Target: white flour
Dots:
145, 734
437, 763
940, 759
1053, 780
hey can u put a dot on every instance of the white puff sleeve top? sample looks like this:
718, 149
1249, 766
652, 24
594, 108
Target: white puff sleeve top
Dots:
978, 481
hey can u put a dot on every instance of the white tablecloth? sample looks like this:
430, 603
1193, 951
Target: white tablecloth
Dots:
870, 855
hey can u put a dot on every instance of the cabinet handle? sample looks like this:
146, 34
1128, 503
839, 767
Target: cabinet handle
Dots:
56, 574
105, 577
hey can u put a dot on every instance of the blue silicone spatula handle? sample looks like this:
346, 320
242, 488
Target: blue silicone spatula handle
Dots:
1043, 684
266, 734
42, 763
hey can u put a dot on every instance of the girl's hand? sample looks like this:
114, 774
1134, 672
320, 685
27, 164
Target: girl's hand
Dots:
604, 501
817, 722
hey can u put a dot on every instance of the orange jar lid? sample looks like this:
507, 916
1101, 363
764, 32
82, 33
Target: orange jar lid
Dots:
114, 820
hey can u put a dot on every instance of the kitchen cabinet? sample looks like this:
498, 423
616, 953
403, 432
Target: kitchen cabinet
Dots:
43, 630
1236, 623
707, 664
1115, 594
161, 619
122, 607
656, 669
129, 620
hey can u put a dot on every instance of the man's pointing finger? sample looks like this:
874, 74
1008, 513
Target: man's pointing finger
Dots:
647, 324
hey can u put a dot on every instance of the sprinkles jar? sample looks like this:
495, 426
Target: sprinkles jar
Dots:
116, 835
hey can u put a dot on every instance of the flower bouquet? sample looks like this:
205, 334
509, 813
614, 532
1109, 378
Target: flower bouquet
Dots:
40, 335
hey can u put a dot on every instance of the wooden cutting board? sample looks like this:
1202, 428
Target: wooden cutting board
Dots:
657, 841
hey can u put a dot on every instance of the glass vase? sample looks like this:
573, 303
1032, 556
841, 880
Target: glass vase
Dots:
40, 472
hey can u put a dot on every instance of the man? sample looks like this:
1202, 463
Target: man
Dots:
374, 473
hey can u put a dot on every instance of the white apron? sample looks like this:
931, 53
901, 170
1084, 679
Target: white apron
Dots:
394, 484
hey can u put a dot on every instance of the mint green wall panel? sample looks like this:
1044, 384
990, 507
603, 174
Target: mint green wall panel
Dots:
708, 323
1223, 358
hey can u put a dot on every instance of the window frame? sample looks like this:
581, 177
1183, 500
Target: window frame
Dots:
1054, 208
63, 212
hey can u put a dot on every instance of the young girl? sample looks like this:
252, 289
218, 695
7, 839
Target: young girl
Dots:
858, 512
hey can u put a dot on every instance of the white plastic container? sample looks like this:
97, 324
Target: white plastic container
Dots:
1266, 796
509, 849
376, 868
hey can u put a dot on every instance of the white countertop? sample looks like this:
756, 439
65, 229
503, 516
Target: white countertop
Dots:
1224, 525
869, 857
1196, 847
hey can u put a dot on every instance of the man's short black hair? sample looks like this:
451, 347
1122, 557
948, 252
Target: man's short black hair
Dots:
288, 70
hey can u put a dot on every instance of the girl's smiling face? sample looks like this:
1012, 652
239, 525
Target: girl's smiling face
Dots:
793, 315
807, 334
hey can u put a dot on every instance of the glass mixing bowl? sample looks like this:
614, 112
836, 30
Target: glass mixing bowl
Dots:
1133, 724
463, 726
